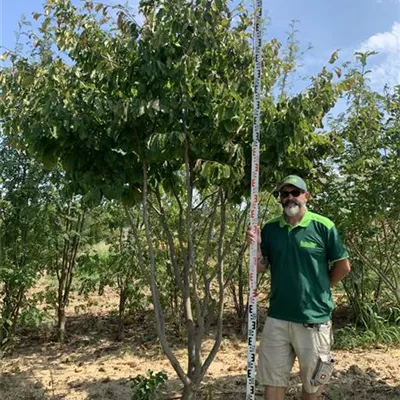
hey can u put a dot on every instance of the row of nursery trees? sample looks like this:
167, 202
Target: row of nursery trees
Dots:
125, 162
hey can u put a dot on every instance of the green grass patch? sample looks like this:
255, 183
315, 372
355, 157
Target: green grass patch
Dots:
351, 337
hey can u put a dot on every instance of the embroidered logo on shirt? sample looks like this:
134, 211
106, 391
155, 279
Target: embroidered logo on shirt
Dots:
308, 245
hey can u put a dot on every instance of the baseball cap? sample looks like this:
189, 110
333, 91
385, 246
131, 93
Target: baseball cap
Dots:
293, 180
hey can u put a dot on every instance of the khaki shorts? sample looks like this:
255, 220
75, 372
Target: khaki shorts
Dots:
282, 341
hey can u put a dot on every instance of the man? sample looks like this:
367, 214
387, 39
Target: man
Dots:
306, 257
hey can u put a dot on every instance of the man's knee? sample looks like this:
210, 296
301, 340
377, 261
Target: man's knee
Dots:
275, 355
316, 363
274, 392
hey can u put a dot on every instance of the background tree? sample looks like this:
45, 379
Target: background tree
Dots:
114, 262
23, 202
361, 196
66, 222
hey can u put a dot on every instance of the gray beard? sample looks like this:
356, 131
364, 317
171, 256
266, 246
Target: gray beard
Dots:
291, 210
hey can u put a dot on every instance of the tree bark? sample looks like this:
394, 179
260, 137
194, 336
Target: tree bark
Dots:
66, 274
5, 326
159, 316
221, 286
193, 351
188, 392
61, 323
121, 314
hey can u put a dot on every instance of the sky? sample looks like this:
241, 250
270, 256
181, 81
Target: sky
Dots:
349, 25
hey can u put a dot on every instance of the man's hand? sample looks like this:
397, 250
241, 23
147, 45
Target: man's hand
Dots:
251, 236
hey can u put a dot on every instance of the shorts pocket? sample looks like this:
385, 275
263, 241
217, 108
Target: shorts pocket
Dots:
323, 338
323, 370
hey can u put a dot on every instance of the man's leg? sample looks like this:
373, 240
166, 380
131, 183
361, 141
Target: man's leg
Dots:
275, 359
314, 396
274, 393
312, 347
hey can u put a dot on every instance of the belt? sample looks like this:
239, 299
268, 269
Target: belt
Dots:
312, 326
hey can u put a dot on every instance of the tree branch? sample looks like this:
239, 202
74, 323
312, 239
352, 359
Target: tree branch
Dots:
160, 324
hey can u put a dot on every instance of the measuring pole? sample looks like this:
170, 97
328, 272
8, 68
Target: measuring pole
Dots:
255, 169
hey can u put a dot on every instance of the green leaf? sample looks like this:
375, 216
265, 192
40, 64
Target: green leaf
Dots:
228, 125
334, 57
5, 55
219, 4
338, 72
226, 172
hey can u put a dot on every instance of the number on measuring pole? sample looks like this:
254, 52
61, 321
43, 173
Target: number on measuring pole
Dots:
255, 169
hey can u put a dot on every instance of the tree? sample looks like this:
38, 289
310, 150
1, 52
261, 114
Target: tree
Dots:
114, 262
23, 185
362, 195
159, 116
66, 220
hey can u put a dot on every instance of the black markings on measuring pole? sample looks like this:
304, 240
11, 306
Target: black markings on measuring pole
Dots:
252, 309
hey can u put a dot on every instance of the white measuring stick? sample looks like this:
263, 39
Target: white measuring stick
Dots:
255, 170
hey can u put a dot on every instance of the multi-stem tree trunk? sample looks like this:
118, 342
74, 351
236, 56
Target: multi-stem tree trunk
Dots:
189, 392
196, 294
12, 303
65, 271
61, 321
121, 313
159, 316
238, 292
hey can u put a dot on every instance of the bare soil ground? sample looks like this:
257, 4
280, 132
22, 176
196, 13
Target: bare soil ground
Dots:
93, 365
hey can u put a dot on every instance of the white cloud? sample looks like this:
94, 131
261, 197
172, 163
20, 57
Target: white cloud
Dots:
388, 1
387, 44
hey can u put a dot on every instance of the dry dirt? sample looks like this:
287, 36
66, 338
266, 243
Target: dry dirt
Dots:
92, 365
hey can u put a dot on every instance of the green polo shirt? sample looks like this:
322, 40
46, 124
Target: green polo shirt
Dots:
300, 259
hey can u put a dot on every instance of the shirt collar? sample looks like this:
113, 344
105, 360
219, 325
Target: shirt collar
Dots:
305, 221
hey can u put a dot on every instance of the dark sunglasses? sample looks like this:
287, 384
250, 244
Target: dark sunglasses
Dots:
294, 193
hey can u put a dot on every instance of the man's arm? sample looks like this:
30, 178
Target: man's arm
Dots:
339, 270
262, 262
